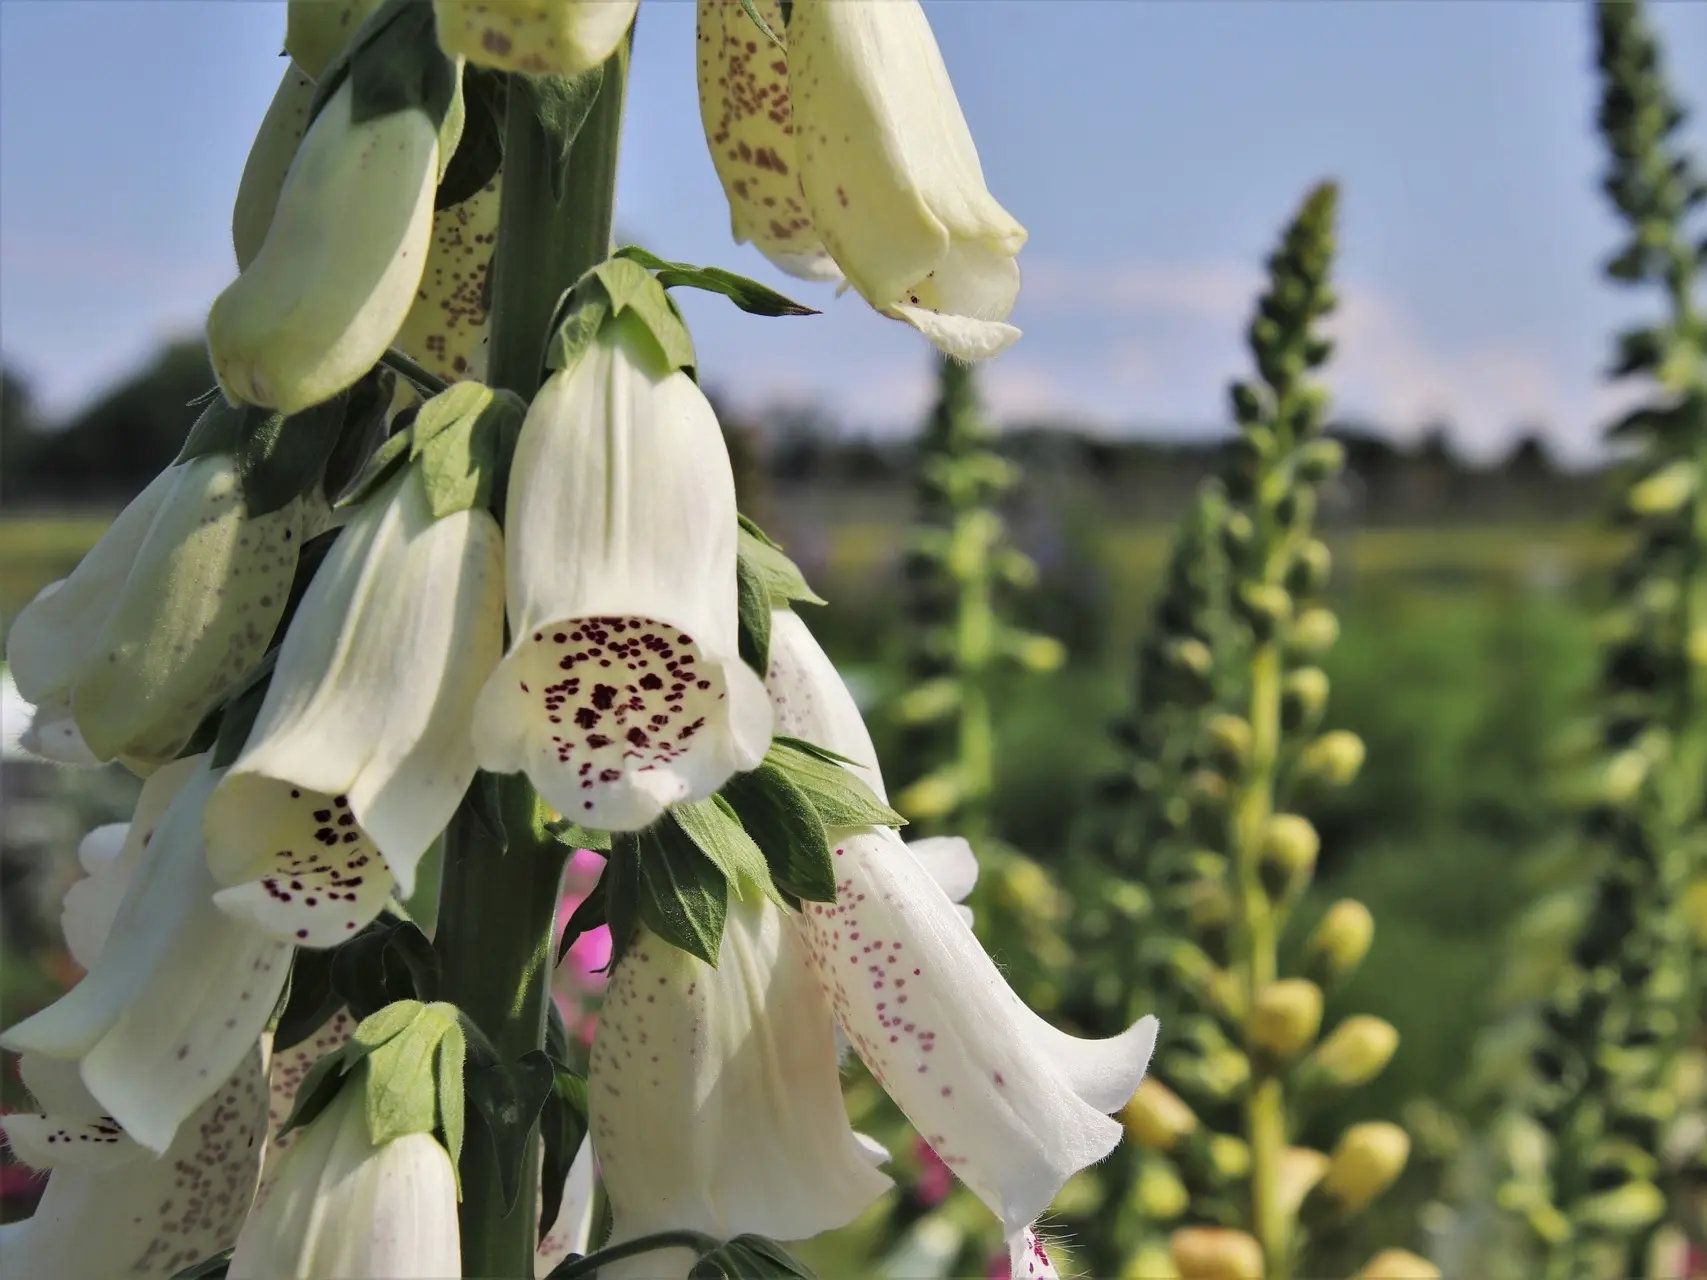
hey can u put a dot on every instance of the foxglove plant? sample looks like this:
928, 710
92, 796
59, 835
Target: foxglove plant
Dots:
445, 396
1631, 994
1231, 702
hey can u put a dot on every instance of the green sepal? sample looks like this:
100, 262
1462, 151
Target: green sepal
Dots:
362, 432
680, 894
480, 153
397, 65
750, 1257
390, 960
382, 464
562, 1128
403, 1089
838, 796
450, 1067
621, 885
764, 560
459, 442
576, 836
716, 831
758, 20
588, 915
561, 104
237, 718
309, 1000
814, 750
618, 288
751, 296
508, 1097
278, 457
753, 617
213, 1268
784, 823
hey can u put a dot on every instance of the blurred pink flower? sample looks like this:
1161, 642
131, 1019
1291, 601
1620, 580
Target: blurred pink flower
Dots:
579, 983
935, 1179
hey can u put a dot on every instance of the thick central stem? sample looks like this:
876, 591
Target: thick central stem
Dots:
499, 906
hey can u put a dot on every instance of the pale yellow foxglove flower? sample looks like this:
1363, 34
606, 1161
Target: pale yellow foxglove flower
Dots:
537, 37
316, 31
446, 331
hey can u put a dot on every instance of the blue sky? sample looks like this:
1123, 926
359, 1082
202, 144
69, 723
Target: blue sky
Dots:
1152, 147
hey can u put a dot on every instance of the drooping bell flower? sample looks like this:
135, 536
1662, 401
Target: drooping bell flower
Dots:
343, 254
316, 31
338, 1205
269, 160
534, 37
624, 690
166, 614
573, 1230
361, 752
180, 992
715, 1102
1013, 1106
112, 1207
851, 145
446, 330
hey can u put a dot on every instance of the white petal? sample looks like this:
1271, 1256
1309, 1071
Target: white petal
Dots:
886, 160
53, 735
340, 1207
811, 700
180, 991
749, 128
947, 1038
94, 1143
1028, 1259
963, 337
362, 742
715, 1100
623, 691
90, 905
950, 862
151, 1217
574, 1226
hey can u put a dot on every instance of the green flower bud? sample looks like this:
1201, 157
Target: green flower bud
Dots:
1156, 1118
1629, 1208
1357, 1051
1149, 1262
1398, 1264
1285, 1018
1158, 1195
1301, 1168
935, 795
1288, 855
1216, 1253
1320, 460
929, 702
1039, 653
1265, 608
536, 37
1229, 1157
1664, 491
1229, 739
1694, 909
1238, 538
1340, 941
1366, 1161
1304, 697
446, 330
341, 262
1311, 565
1191, 655
1314, 631
316, 31
269, 160
1332, 760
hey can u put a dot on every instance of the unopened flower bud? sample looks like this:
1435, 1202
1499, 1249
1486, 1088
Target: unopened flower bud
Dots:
316, 31
1398, 1264
1696, 647
1308, 573
1631, 1207
929, 702
1357, 1051
1304, 697
1286, 1017
1288, 855
1158, 1195
1229, 738
269, 160
1694, 909
933, 796
1192, 655
535, 37
1665, 490
1265, 608
1149, 1262
1156, 1117
1238, 538
1314, 631
1230, 1157
1216, 1253
1332, 760
1207, 790
1340, 941
1621, 776
1247, 401
1366, 1160
1039, 653
1301, 1168
1320, 460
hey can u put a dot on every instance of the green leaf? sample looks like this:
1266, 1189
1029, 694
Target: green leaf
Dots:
561, 104
783, 822
402, 1082
683, 896
588, 915
241, 708
395, 63
450, 1067
753, 605
309, 998
716, 832
749, 295
621, 883
632, 291
388, 962
366, 413
750, 1257
562, 1127
758, 556
481, 151
838, 796
576, 836
277, 457
507, 1097
574, 326
461, 439
752, 11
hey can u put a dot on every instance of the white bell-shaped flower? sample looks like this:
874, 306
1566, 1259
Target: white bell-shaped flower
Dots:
167, 613
446, 330
715, 1101
851, 144
339, 1206
573, 1230
623, 690
534, 37
180, 992
361, 751
1013, 1106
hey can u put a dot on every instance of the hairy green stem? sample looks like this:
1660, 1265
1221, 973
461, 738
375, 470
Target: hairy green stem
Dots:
499, 905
